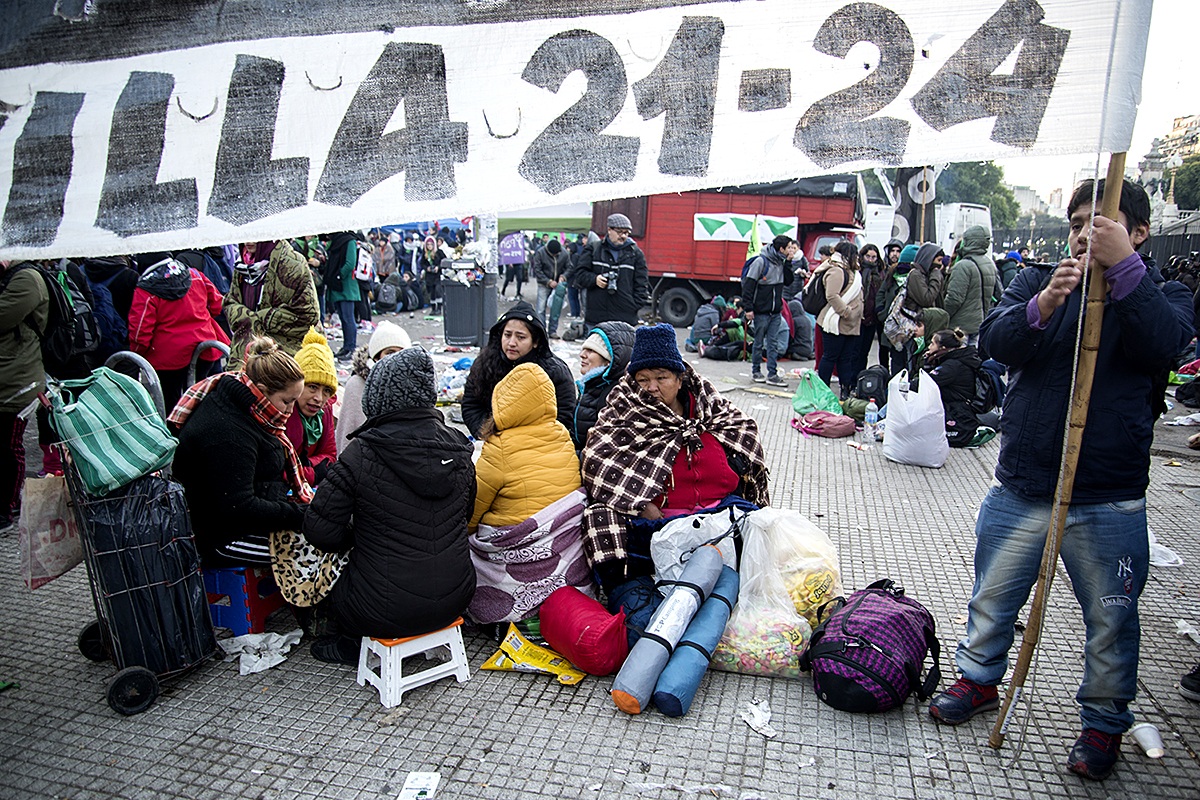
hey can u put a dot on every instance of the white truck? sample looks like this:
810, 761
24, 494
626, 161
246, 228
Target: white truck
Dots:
954, 218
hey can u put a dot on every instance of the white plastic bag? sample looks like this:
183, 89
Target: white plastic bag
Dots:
804, 556
916, 423
672, 544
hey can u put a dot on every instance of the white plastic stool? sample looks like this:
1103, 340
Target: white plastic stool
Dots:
387, 655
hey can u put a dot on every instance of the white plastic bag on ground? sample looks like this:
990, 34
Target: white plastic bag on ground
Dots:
916, 423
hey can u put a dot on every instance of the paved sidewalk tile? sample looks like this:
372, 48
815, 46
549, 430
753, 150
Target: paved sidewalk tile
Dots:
306, 730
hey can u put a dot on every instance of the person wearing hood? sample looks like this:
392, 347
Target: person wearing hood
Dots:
602, 362
954, 366
341, 289
931, 319
549, 265
927, 277
174, 309
116, 275
397, 501
1008, 267
388, 338
762, 298
708, 316
614, 258
970, 284
518, 337
271, 296
841, 318
894, 278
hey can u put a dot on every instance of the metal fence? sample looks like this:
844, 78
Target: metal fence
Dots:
1163, 247
1044, 240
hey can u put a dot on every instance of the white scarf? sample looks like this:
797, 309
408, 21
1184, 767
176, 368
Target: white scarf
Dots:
830, 325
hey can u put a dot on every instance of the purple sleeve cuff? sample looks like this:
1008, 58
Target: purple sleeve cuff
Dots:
1124, 277
1033, 316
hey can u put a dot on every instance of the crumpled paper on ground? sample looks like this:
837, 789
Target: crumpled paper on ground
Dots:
1184, 628
758, 716
260, 651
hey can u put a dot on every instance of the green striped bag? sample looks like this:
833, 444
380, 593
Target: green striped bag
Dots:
112, 429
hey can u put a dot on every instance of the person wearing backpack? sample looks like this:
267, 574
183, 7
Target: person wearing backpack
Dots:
841, 318
112, 282
970, 284
24, 310
1145, 322
173, 311
762, 297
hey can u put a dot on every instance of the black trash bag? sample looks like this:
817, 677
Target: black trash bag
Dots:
1189, 393
147, 576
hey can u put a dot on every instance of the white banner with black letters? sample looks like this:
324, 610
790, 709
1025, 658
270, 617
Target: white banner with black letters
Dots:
192, 131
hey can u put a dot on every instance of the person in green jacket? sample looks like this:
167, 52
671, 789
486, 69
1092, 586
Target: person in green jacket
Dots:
24, 310
341, 290
272, 297
970, 284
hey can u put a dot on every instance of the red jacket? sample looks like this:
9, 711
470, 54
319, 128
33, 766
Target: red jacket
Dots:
172, 312
315, 460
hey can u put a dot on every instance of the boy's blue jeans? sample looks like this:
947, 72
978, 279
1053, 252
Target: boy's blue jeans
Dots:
1106, 553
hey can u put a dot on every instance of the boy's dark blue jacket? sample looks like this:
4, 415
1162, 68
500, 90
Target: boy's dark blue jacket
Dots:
1140, 335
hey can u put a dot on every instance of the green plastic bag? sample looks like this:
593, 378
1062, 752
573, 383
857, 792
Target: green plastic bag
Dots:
813, 395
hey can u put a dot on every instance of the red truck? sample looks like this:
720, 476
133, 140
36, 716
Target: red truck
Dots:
688, 266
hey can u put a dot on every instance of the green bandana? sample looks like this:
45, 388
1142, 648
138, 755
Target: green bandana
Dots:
314, 426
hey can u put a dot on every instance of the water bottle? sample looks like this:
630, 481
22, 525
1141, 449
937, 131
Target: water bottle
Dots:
870, 422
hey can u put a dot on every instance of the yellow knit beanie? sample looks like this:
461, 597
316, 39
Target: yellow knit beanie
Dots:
316, 359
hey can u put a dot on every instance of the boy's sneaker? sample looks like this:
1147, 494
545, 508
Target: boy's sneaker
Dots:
963, 700
757, 377
1189, 685
1094, 754
775, 380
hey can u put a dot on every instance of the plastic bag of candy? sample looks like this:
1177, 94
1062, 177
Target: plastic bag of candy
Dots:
765, 635
804, 555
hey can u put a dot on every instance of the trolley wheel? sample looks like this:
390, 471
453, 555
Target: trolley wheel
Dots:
91, 642
132, 690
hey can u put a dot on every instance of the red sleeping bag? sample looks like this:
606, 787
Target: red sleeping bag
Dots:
581, 629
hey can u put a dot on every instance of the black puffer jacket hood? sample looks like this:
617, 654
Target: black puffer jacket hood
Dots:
594, 393
524, 312
398, 499
168, 279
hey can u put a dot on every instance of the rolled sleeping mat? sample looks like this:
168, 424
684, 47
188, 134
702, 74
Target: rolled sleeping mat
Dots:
681, 677
635, 682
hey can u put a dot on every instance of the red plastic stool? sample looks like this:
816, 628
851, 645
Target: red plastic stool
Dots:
251, 596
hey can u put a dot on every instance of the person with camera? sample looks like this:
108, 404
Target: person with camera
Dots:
614, 270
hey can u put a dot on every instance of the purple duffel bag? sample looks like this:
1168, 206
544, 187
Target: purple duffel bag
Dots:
868, 653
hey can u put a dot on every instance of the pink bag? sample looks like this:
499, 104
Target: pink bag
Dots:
825, 423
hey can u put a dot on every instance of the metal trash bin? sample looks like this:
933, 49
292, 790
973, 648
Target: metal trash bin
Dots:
468, 311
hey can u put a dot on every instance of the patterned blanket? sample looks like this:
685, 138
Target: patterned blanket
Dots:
518, 566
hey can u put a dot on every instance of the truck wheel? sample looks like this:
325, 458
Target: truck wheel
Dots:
677, 306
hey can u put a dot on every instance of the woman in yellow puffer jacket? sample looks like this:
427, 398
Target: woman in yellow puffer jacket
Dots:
528, 460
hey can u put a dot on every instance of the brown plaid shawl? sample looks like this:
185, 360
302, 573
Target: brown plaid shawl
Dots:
632, 448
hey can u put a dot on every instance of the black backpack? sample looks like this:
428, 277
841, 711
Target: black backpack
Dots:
988, 391
873, 383
813, 297
70, 324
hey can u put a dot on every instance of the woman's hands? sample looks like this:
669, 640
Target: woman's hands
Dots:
651, 511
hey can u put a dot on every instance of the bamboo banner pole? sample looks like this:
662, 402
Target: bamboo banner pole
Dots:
1086, 371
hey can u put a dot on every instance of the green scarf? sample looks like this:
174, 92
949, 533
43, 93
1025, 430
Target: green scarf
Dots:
314, 426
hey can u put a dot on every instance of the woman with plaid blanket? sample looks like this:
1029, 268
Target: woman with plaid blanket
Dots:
667, 444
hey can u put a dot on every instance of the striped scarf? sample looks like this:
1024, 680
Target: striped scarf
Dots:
270, 418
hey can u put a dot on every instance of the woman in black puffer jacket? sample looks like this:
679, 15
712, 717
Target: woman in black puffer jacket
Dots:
518, 337
611, 342
398, 499
954, 368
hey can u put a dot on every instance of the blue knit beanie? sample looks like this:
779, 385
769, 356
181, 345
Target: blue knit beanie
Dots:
654, 348
908, 253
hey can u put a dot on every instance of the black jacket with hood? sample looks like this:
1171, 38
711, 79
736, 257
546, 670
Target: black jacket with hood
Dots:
398, 498
954, 374
633, 281
123, 281
477, 394
593, 395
